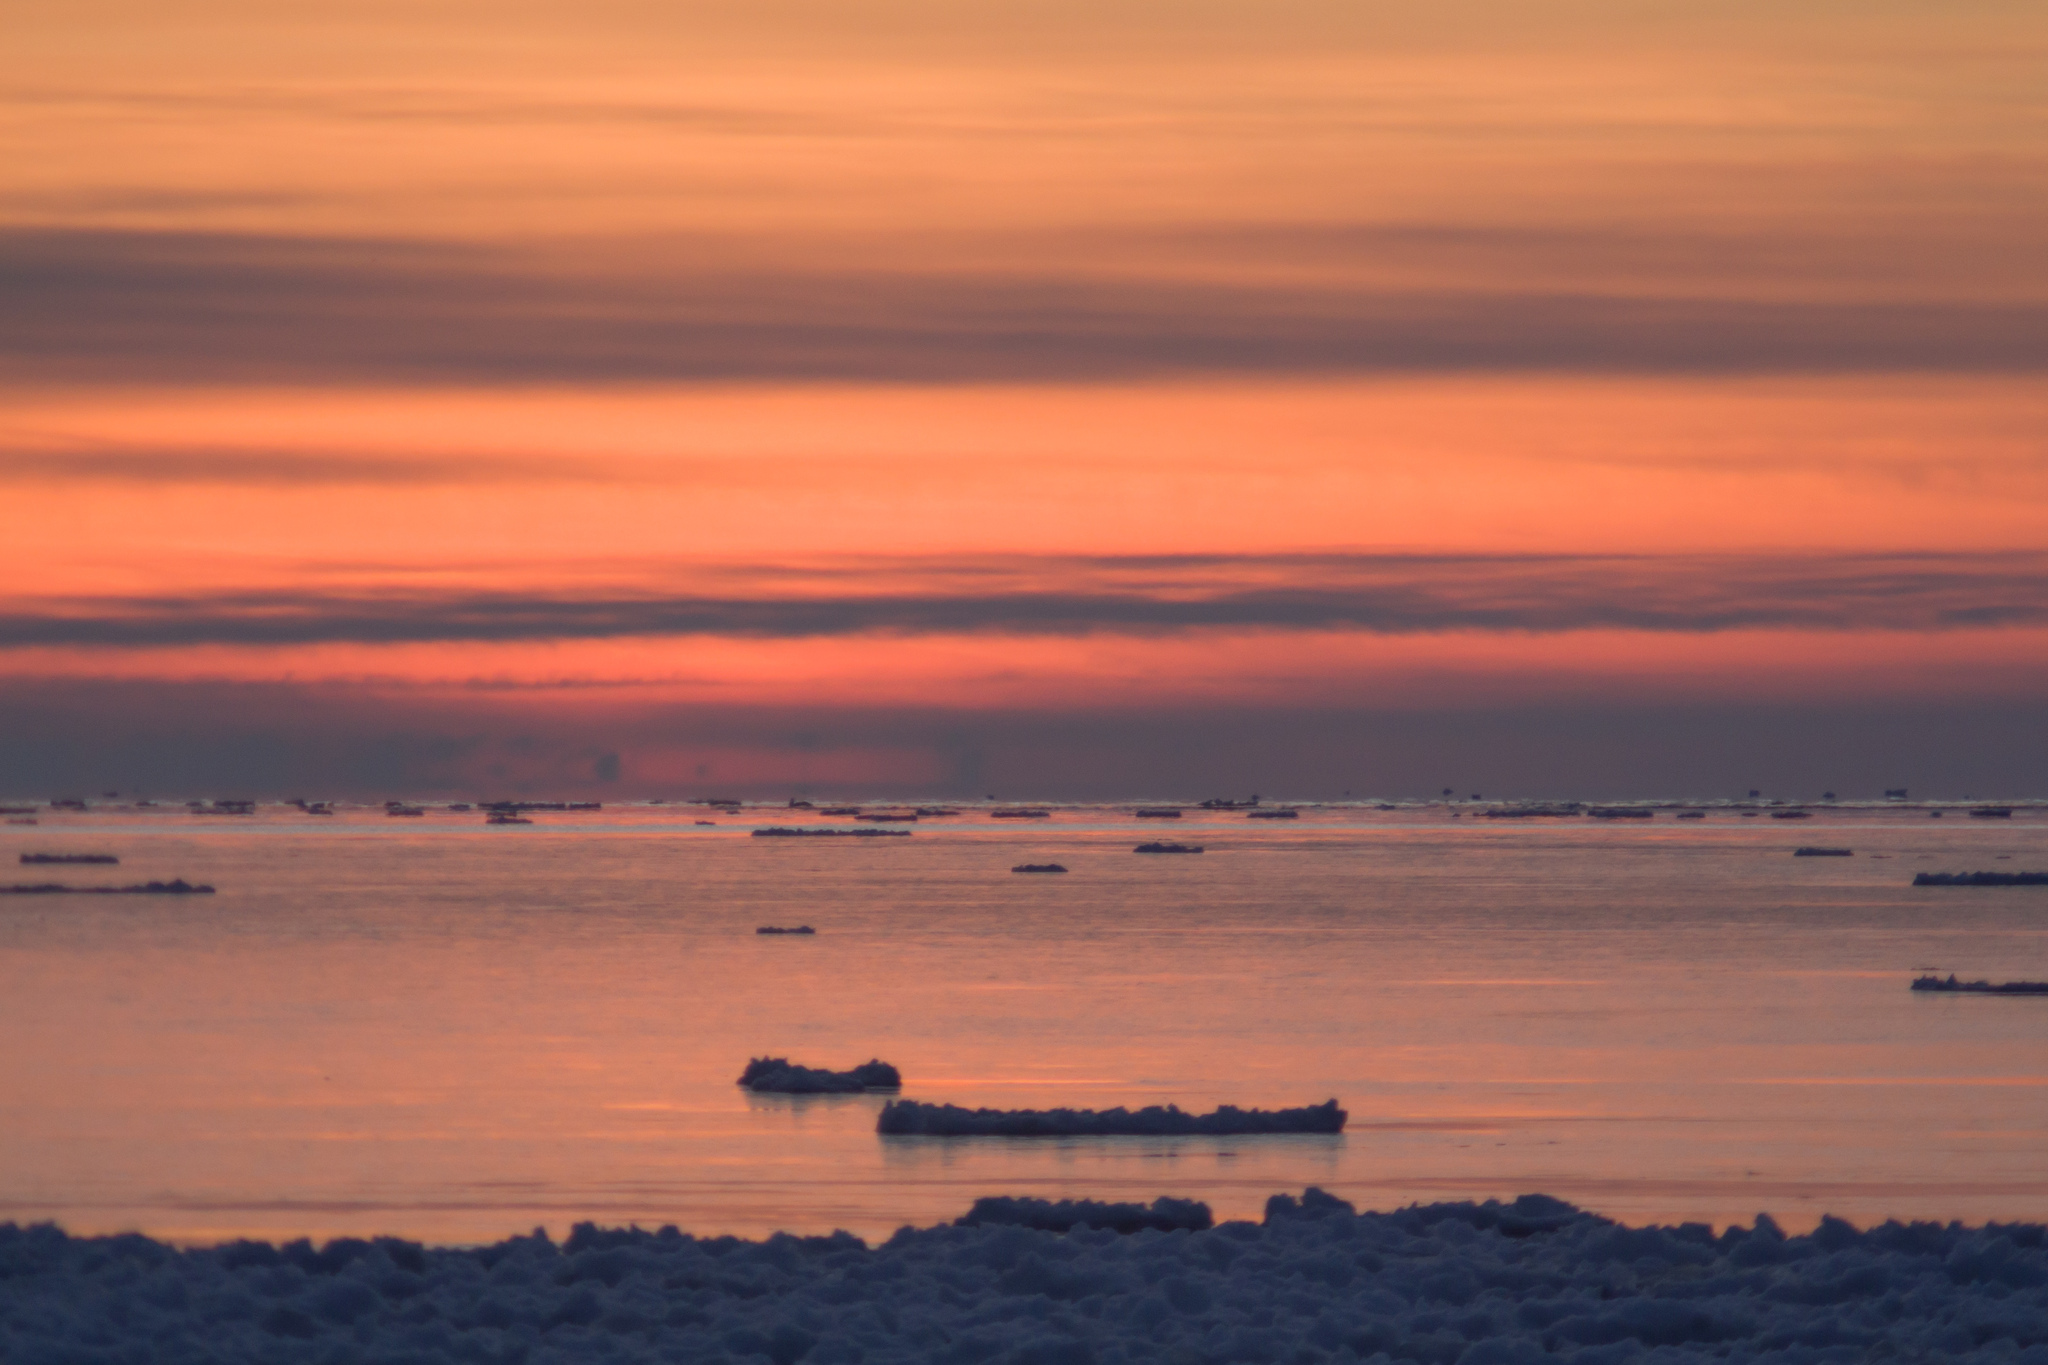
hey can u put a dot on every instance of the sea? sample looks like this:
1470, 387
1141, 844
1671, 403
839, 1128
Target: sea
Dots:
448, 1031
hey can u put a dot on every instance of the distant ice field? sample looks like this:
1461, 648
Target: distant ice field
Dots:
436, 1030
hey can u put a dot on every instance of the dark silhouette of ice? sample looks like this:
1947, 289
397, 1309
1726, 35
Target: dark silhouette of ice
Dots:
1038, 867
1162, 1215
178, 887
1810, 851
780, 929
1530, 1281
1935, 983
69, 858
914, 1118
1980, 879
196, 807
780, 1076
1167, 848
787, 832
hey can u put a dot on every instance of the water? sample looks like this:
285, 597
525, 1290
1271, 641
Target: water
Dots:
448, 1032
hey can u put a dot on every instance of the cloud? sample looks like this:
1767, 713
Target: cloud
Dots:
168, 307
1068, 596
279, 739
295, 468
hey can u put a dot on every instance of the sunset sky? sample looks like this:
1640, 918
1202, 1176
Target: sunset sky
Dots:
1050, 400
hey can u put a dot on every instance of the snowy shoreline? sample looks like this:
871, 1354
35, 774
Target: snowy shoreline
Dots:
1459, 1284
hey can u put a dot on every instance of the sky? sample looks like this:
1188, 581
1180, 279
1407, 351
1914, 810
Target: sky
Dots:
1590, 399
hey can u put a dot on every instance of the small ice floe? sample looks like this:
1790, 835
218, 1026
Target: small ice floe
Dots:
1955, 987
1980, 879
178, 887
790, 832
780, 1076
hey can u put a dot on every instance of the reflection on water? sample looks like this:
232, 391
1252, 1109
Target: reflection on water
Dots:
453, 1033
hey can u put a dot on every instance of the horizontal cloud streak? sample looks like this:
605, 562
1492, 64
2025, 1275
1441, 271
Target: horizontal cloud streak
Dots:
1395, 594
285, 468
82, 735
165, 307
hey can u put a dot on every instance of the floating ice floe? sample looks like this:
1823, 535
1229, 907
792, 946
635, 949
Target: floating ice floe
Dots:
907, 1118
780, 1076
1981, 879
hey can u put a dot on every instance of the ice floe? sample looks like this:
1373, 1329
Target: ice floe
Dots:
914, 1118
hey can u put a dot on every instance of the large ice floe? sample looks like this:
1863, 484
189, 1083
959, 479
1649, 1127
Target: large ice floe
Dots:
1024, 1282
914, 1118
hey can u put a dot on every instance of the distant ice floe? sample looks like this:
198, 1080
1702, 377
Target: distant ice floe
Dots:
177, 887
913, 1118
1981, 879
1447, 1284
780, 1076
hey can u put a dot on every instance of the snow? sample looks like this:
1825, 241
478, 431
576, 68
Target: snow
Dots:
1459, 1284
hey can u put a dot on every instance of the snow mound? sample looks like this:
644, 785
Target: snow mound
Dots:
1164, 1215
1445, 1284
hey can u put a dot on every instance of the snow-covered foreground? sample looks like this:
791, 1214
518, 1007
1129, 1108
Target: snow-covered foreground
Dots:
1477, 1284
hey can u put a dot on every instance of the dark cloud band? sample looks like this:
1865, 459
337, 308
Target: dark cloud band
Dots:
180, 739
1149, 596
193, 307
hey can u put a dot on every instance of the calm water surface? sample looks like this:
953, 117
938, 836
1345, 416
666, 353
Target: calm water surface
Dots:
449, 1032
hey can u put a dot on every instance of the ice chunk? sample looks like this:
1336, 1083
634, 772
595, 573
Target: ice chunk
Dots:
780, 1076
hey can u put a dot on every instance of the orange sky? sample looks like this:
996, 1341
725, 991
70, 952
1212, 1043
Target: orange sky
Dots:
846, 355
